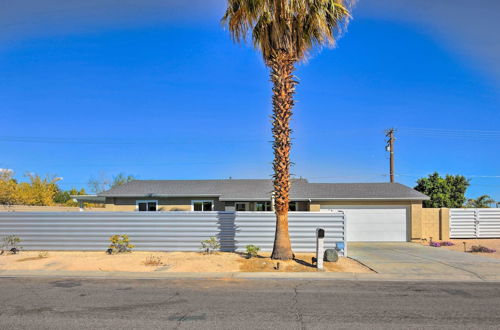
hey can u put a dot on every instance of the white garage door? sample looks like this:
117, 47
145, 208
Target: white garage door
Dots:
374, 224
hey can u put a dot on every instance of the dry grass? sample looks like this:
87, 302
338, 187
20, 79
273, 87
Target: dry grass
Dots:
153, 261
43, 254
167, 262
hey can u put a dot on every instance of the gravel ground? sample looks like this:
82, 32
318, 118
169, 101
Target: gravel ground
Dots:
492, 243
166, 262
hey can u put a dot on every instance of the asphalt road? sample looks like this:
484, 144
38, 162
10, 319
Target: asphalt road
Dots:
245, 304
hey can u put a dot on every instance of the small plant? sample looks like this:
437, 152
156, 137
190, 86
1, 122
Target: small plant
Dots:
153, 261
10, 243
43, 254
119, 244
435, 244
439, 244
210, 245
252, 250
480, 248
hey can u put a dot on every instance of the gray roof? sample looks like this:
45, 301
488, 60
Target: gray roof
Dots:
248, 190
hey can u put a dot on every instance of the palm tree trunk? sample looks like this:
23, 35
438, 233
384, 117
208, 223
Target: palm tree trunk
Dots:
282, 67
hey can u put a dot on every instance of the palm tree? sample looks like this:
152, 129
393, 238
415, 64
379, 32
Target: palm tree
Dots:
284, 31
483, 201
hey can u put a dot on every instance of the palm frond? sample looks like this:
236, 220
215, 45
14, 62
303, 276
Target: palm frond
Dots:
289, 26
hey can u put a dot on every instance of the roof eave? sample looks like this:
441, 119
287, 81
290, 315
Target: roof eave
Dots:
372, 198
159, 195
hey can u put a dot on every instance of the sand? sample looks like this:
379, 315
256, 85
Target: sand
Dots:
169, 262
492, 243
302, 263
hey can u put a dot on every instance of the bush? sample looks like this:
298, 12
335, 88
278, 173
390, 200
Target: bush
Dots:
153, 261
446, 243
210, 245
43, 254
252, 250
435, 244
10, 243
120, 244
480, 248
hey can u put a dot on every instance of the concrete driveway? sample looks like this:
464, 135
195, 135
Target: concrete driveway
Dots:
411, 260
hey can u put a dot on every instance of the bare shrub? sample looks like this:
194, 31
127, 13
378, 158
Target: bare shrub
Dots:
43, 254
153, 261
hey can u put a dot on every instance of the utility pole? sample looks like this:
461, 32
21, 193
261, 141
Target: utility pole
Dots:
390, 147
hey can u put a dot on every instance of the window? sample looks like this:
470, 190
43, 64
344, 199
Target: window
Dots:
292, 206
241, 206
263, 206
202, 205
147, 206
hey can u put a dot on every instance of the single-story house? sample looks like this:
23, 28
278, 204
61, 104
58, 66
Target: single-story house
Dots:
374, 211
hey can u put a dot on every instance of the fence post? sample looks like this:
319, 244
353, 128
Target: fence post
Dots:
444, 224
476, 223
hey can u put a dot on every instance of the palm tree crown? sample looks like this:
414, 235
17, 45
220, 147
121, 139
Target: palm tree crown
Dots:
483, 201
289, 26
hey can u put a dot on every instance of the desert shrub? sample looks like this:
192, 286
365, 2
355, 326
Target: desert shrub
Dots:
43, 254
435, 244
210, 245
447, 243
252, 250
120, 244
480, 248
153, 261
10, 243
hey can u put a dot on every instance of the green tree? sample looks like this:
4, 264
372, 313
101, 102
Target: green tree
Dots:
483, 201
121, 179
285, 31
443, 192
61, 196
64, 197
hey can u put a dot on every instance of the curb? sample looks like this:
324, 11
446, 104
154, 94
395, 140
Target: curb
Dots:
248, 276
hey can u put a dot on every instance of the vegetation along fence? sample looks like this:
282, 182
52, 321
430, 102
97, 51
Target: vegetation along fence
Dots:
475, 223
167, 231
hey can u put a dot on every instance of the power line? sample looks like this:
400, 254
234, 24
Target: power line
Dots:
452, 133
465, 175
108, 141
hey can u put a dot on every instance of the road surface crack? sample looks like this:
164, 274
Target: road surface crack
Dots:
295, 299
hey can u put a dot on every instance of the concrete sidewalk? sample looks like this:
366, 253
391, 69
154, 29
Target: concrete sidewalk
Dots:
255, 276
415, 260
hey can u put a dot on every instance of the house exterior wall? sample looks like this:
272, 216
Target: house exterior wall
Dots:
128, 204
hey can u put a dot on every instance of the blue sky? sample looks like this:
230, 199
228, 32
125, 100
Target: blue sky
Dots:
158, 90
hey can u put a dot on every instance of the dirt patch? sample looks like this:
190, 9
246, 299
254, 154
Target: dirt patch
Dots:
492, 243
167, 262
301, 263
30, 259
